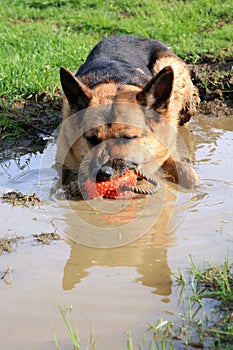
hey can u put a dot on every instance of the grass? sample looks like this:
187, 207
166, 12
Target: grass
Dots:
201, 326
73, 333
215, 282
209, 310
198, 326
38, 36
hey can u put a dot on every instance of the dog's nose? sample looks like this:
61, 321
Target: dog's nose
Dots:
105, 173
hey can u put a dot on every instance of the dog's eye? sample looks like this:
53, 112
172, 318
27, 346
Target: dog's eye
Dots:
127, 138
93, 140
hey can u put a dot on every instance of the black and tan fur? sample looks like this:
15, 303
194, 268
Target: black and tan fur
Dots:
147, 91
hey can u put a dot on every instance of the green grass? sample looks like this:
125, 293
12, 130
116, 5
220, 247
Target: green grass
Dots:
214, 282
73, 333
38, 36
208, 306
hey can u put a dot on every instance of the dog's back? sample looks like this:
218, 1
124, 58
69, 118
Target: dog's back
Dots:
128, 61
122, 59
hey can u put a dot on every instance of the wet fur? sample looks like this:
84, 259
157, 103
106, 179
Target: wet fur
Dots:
149, 88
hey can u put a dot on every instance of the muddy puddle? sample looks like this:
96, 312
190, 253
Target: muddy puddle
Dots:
120, 277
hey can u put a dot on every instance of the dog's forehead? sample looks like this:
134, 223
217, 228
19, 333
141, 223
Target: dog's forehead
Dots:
127, 114
132, 114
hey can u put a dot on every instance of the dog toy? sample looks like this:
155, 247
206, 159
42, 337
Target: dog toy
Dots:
118, 187
121, 186
113, 188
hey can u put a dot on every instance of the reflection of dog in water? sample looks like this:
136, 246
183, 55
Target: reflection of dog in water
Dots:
134, 93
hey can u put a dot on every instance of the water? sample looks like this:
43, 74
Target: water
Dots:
124, 287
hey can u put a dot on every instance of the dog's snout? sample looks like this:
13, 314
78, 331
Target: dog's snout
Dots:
112, 169
104, 174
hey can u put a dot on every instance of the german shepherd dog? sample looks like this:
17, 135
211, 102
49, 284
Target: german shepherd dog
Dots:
128, 97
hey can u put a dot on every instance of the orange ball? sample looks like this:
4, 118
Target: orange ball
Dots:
112, 188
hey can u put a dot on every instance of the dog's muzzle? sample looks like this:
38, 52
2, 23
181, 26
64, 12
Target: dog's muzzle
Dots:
115, 178
112, 169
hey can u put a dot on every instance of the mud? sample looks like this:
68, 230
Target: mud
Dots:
214, 79
18, 198
47, 237
11, 244
7, 245
36, 118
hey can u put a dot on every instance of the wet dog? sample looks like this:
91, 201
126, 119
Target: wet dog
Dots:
122, 109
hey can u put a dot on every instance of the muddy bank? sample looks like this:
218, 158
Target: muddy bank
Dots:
35, 119
214, 80
38, 118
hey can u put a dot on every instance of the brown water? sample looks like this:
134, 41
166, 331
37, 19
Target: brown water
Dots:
124, 287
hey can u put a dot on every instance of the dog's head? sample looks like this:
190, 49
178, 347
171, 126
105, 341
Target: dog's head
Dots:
122, 126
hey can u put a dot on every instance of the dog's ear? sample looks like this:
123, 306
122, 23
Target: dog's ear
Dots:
157, 92
77, 94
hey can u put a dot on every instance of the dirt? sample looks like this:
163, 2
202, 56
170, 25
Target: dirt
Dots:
47, 237
18, 198
10, 244
214, 79
39, 117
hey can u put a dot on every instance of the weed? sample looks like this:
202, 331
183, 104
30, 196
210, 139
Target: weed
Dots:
9, 127
73, 333
211, 329
49, 34
214, 282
